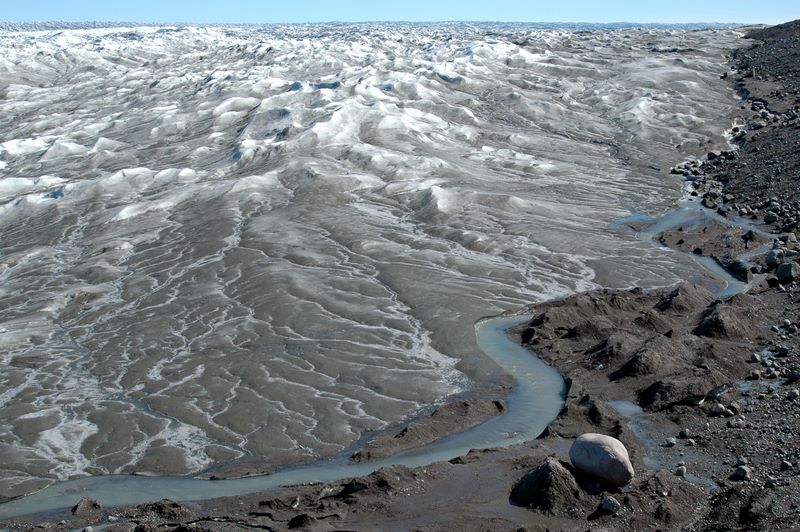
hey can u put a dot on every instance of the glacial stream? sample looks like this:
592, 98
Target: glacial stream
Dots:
534, 402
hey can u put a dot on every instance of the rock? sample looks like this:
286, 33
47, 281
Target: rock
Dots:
792, 394
88, 529
670, 442
786, 465
684, 434
602, 456
742, 472
610, 505
770, 218
717, 409
774, 257
741, 270
787, 272
87, 509
550, 487
680, 471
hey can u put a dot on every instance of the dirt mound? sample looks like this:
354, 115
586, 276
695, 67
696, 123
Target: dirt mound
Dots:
658, 355
684, 298
726, 321
551, 488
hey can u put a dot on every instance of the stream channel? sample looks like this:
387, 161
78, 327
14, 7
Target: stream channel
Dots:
534, 402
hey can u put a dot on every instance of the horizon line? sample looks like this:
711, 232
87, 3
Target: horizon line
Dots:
457, 21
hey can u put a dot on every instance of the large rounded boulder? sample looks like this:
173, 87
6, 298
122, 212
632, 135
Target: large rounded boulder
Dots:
602, 456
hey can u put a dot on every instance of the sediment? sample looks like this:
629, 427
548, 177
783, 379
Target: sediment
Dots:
701, 389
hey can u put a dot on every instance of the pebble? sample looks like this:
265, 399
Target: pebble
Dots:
772, 482
755, 357
741, 461
88, 529
717, 409
736, 423
670, 442
786, 465
681, 471
792, 394
610, 504
683, 434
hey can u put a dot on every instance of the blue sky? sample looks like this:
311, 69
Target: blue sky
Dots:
254, 11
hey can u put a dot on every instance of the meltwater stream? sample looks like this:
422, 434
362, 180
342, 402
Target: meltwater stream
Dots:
535, 401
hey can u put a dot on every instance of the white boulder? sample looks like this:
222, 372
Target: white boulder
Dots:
602, 456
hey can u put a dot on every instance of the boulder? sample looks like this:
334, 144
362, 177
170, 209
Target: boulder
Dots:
787, 272
602, 456
774, 257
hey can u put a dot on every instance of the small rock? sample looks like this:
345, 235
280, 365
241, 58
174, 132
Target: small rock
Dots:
786, 465
610, 505
792, 394
690, 443
742, 472
683, 434
681, 471
741, 461
771, 482
670, 442
774, 257
717, 409
88, 529
755, 357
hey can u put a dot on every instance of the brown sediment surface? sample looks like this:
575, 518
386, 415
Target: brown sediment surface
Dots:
715, 379
453, 416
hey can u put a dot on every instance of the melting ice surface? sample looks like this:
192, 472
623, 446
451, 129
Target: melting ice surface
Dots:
221, 242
